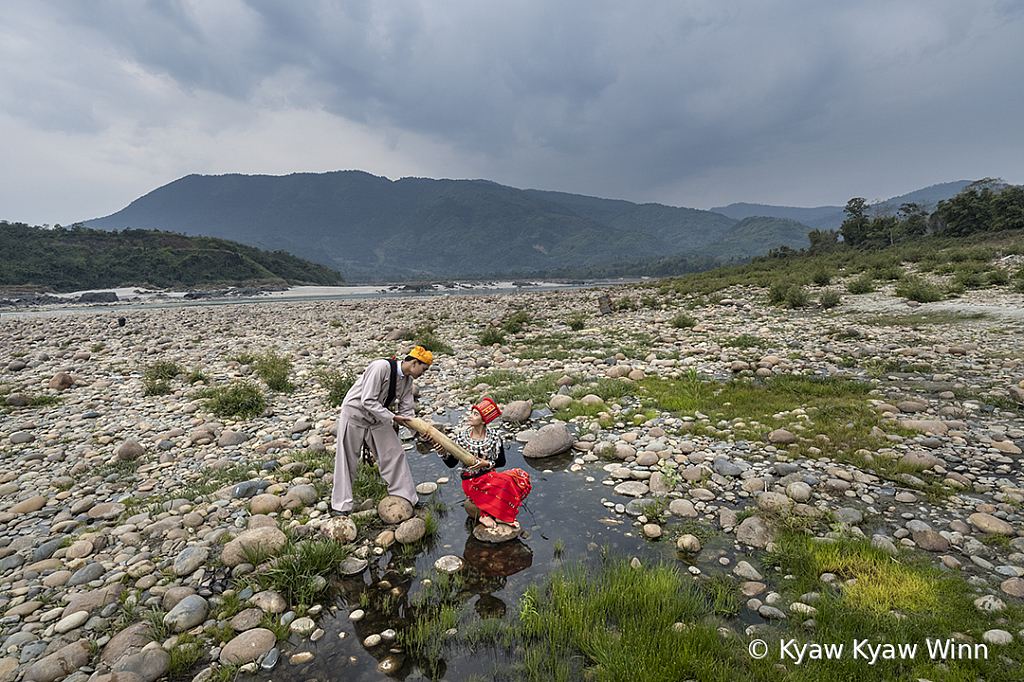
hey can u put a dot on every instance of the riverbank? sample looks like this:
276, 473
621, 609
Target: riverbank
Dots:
101, 506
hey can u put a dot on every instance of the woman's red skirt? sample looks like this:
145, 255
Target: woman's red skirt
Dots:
498, 493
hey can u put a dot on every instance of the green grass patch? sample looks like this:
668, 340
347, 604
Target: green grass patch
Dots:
620, 623
337, 385
884, 599
300, 572
240, 399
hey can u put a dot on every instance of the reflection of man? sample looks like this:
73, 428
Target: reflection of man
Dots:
376, 405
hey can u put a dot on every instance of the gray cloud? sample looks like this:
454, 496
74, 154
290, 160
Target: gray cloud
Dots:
688, 103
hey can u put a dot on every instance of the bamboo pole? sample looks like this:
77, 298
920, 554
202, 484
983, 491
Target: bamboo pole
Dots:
457, 451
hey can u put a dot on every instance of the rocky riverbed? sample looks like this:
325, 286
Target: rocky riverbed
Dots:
94, 518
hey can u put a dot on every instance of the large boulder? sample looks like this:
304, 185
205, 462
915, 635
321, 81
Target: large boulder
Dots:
269, 540
393, 509
517, 411
553, 439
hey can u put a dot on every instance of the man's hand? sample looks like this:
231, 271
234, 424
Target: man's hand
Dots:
400, 420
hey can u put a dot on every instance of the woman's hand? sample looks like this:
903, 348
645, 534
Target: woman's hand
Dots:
480, 464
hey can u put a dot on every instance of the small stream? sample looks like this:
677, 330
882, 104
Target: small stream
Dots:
564, 519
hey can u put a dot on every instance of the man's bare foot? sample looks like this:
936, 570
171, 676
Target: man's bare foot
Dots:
487, 521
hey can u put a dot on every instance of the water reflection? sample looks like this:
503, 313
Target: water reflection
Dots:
563, 520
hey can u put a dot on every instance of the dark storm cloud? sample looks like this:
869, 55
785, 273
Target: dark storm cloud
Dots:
689, 103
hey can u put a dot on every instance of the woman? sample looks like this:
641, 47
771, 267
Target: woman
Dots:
497, 494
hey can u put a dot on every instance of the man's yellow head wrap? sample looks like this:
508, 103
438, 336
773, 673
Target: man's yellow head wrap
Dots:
422, 354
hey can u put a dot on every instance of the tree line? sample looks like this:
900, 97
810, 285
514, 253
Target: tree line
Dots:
988, 205
75, 258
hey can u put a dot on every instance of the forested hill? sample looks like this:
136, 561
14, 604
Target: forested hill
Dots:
374, 229
62, 259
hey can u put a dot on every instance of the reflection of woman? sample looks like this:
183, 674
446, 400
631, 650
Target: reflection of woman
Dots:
497, 494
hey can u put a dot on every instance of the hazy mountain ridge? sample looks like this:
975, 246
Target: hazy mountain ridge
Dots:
831, 217
372, 228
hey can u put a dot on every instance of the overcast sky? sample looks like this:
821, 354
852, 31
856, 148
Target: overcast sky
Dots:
695, 103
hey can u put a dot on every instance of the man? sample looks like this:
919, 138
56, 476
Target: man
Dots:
377, 404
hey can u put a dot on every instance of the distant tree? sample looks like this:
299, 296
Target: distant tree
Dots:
822, 240
855, 228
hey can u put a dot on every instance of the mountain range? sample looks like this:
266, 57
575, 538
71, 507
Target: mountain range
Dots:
374, 229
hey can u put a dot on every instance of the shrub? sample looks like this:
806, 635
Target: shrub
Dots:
777, 292
683, 321
822, 277
998, 277
490, 336
576, 321
274, 369
162, 369
864, 284
515, 324
337, 385
917, 289
240, 399
829, 299
424, 336
796, 297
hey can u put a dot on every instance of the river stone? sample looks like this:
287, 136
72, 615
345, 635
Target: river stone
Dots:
632, 489
987, 523
745, 570
923, 459
771, 501
149, 664
393, 509
684, 508
924, 425
28, 506
753, 532
271, 601
989, 604
188, 613
559, 402
269, 540
60, 663
302, 626
61, 381
70, 622
553, 439
21, 437
265, 503
248, 646
129, 641
129, 451
229, 438
86, 574
781, 437
411, 531
931, 541
340, 528
652, 531
190, 559
246, 619
688, 543
174, 595
449, 564
501, 532
517, 411
1013, 586
353, 566
107, 511
300, 496
798, 491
